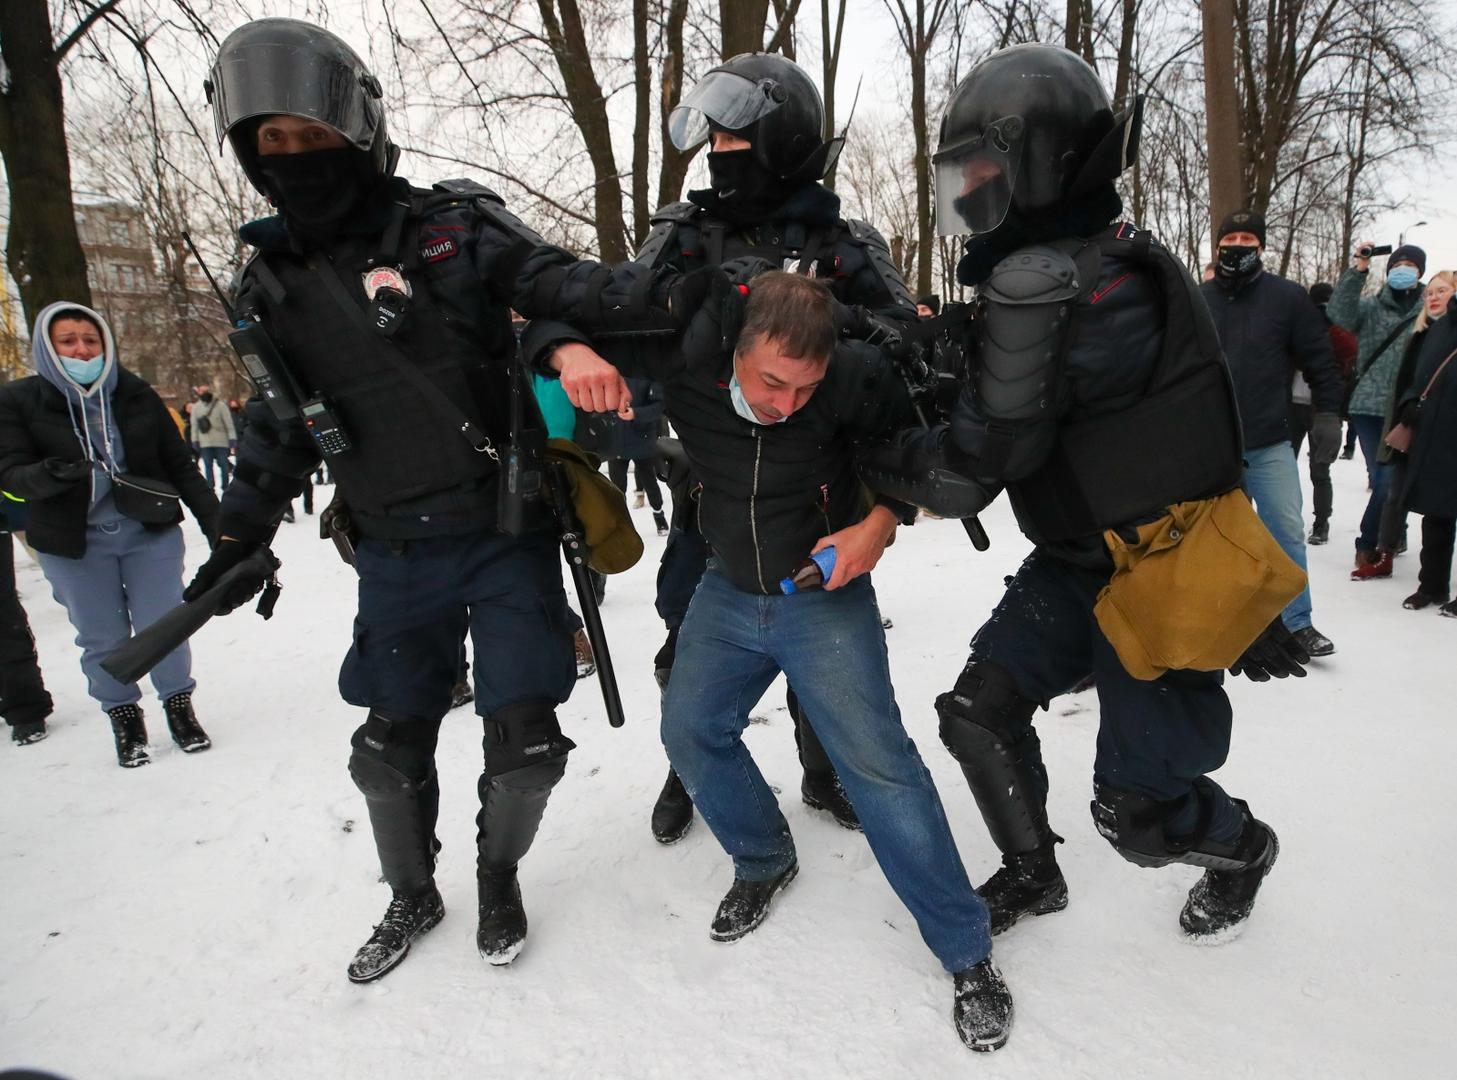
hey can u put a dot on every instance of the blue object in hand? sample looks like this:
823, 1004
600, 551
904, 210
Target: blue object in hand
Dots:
810, 574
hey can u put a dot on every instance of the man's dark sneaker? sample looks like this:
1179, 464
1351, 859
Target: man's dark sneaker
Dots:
1348, 453
130, 732
1314, 642
1320, 532
886, 623
661, 522
747, 905
26, 732
673, 812
982, 1010
1420, 600
502, 930
461, 694
1223, 899
1030, 884
823, 791
182, 722
1448, 609
404, 920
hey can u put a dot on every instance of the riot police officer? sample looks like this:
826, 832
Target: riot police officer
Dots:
389, 309
1098, 397
763, 120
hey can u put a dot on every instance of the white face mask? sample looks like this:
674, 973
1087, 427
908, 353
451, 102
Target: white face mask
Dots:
741, 405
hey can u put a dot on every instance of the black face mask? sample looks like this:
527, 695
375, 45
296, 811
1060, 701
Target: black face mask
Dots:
742, 184
205, 398
1237, 262
315, 189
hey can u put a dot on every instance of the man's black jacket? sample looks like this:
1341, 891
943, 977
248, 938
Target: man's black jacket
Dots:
1270, 329
35, 425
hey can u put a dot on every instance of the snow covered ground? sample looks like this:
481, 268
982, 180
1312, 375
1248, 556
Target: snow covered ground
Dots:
194, 917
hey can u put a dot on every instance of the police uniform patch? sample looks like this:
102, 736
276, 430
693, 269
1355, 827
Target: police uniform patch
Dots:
437, 248
384, 277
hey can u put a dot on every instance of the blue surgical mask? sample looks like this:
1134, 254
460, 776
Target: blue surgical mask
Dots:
741, 405
1403, 278
83, 372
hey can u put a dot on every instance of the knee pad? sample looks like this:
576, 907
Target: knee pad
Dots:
524, 734
982, 712
528, 780
393, 755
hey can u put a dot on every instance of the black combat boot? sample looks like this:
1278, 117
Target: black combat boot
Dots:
982, 1009
823, 791
502, 930
673, 812
746, 905
1027, 884
407, 917
182, 722
1223, 899
26, 732
131, 736
1320, 532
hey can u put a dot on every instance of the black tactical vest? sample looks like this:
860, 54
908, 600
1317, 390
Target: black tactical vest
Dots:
1179, 441
407, 460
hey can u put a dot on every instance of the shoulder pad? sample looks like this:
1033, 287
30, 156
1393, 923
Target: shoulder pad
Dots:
665, 222
877, 252
469, 188
1036, 274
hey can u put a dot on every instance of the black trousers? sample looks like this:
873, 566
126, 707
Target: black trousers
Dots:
23, 695
647, 479
1320, 475
1438, 535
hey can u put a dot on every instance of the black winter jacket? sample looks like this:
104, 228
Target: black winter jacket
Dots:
35, 425
1270, 328
1431, 472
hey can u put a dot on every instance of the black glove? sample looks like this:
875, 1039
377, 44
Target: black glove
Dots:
1325, 437
712, 323
67, 472
228, 554
1275, 653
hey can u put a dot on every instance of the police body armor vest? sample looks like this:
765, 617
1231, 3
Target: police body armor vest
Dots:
407, 458
1179, 441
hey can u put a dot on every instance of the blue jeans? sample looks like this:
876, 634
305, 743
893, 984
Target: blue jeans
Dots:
128, 579
1369, 430
218, 454
832, 648
1272, 479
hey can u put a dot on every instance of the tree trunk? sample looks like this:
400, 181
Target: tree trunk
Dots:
568, 41
925, 255
742, 25
1122, 88
44, 251
830, 33
642, 117
1226, 167
674, 166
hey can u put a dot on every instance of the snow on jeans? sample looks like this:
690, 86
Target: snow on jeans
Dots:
831, 647
128, 578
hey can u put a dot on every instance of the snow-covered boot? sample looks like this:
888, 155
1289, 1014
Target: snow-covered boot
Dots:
131, 736
746, 905
823, 791
673, 812
502, 930
1029, 884
182, 722
407, 918
1223, 899
26, 732
982, 1008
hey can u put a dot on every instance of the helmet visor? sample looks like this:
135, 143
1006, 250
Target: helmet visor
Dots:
725, 100
270, 79
975, 178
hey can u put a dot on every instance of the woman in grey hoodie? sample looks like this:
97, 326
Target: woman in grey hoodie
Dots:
69, 435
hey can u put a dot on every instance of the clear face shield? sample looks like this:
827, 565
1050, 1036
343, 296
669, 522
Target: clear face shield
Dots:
725, 100
276, 79
975, 178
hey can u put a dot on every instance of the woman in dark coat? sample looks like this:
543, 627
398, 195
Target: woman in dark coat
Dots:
1431, 473
74, 440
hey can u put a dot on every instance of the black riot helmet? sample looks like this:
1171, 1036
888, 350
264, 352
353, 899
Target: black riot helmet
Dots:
1030, 128
272, 67
768, 100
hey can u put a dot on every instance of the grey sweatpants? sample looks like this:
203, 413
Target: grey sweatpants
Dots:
127, 579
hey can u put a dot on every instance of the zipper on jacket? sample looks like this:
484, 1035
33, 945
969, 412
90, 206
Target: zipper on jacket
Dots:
753, 515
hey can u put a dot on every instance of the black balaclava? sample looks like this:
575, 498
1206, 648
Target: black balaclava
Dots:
1083, 216
747, 192
314, 190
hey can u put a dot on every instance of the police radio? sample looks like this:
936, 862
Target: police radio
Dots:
323, 423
